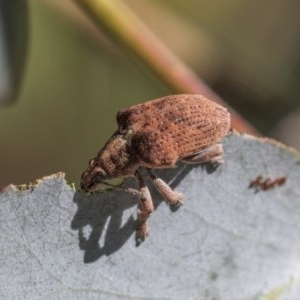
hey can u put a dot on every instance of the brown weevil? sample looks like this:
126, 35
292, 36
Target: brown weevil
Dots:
158, 134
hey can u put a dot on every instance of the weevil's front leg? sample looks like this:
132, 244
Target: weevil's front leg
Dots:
170, 196
212, 154
123, 189
145, 209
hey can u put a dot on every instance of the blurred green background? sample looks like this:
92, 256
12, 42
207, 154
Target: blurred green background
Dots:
76, 79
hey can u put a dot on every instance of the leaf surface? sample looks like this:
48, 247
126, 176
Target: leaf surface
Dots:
228, 241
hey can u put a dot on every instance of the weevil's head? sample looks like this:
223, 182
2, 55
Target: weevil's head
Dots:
93, 176
115, 160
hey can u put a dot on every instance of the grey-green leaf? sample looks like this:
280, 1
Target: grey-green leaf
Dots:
227, 242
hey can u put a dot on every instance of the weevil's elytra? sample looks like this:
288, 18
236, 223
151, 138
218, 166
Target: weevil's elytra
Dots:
158, 134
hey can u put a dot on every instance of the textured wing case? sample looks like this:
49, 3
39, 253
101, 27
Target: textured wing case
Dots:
170, 128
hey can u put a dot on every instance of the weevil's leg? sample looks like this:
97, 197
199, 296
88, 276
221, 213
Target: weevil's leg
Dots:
212, 154
145, 209
170, 196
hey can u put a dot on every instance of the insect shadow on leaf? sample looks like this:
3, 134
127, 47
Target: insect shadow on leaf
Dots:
98, 214
100, 217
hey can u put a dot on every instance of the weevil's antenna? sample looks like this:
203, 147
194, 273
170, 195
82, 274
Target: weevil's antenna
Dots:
119, 188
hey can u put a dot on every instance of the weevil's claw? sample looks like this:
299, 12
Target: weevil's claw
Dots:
174, 207
178, 199
142, 231
216, 161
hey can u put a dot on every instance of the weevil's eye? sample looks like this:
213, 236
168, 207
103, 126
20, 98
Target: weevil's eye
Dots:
99, 176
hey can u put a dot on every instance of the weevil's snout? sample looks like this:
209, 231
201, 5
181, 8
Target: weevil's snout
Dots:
92, 177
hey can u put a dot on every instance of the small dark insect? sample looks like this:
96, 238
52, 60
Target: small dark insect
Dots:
265, 184
158, 134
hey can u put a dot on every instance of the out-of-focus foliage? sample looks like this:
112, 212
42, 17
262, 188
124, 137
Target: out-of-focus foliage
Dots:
13, 47
73, 88
76, 80
253, 53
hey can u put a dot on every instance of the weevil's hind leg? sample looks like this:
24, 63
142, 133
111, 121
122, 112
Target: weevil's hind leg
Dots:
170, 196
145, 209
212, 154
